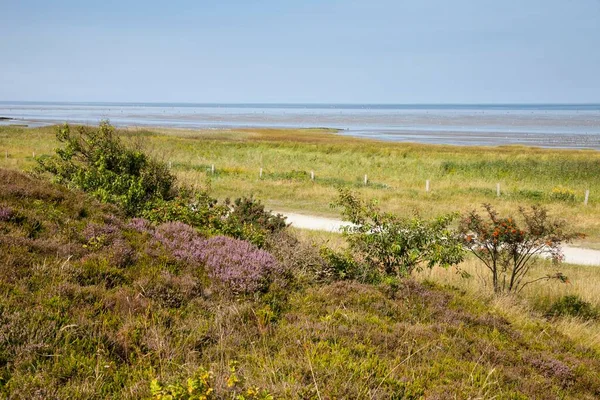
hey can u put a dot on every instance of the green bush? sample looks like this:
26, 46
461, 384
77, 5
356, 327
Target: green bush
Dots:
96, 161
199, 210
248, 210
342, 265
244, 218
573, 306
397, 245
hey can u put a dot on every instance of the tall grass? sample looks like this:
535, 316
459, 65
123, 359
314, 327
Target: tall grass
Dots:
461, 177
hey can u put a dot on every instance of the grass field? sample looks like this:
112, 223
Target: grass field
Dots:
461, 178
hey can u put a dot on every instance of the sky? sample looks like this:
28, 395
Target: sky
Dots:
309, 51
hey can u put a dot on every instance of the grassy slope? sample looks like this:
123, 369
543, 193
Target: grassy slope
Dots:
461, 177
86, 326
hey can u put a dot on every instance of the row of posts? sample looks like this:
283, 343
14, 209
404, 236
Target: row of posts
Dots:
365, 181
427, 183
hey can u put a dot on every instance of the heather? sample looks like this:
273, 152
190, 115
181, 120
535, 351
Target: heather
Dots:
238, 266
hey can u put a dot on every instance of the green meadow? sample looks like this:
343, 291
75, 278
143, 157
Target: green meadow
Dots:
461, 178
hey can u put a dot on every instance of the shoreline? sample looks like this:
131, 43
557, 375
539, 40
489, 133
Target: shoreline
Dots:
550, 126
590, 142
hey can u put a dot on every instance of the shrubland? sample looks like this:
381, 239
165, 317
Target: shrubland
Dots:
180, 295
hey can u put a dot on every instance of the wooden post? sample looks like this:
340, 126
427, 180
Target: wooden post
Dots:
33, 154
587, 196
170, 164
427, 185
366, 179
312, 175
212, 169
260, 174
498, 189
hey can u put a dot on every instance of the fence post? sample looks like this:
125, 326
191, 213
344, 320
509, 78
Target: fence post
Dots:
33, 154
170, 164
587, 196
260, 174
312, 175
366, 179
427, 185
498, 189
6, 154
212, 169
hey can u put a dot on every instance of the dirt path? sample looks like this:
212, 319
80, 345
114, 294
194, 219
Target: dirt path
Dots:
573, 255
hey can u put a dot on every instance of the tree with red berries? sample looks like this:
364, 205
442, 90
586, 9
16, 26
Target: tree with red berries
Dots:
509, 249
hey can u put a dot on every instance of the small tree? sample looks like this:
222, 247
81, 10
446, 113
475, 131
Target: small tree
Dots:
96, 161
508, 250
396, 245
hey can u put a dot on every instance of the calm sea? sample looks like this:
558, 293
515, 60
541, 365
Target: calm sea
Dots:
547, 125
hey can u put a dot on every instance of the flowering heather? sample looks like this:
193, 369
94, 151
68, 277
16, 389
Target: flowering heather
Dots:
6, 213
141, 225
554, 368
238, 265
235, 264
184, 242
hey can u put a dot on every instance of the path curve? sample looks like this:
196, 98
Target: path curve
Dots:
573, 255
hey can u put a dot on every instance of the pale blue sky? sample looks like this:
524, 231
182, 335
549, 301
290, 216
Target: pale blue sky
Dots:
310, 51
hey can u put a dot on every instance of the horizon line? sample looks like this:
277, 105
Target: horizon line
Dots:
302, 103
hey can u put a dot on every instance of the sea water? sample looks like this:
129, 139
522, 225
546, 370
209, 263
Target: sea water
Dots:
546, 125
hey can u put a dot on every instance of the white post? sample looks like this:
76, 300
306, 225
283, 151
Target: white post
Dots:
312, 175
212, 169
260, 174
498, 189
366, 179
427, 185
170, 164
587, 196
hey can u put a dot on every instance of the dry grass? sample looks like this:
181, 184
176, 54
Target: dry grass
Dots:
535, 299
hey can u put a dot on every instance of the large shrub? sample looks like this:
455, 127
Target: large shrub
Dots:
508, 248
245, 218
250, 211
96, 161
397, 245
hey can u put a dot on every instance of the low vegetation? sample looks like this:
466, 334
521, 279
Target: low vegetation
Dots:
181, 296
460, 177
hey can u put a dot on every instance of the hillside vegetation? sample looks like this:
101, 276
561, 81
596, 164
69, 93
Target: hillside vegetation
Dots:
184, 296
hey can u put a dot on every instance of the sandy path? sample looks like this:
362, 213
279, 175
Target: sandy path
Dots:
573, 255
